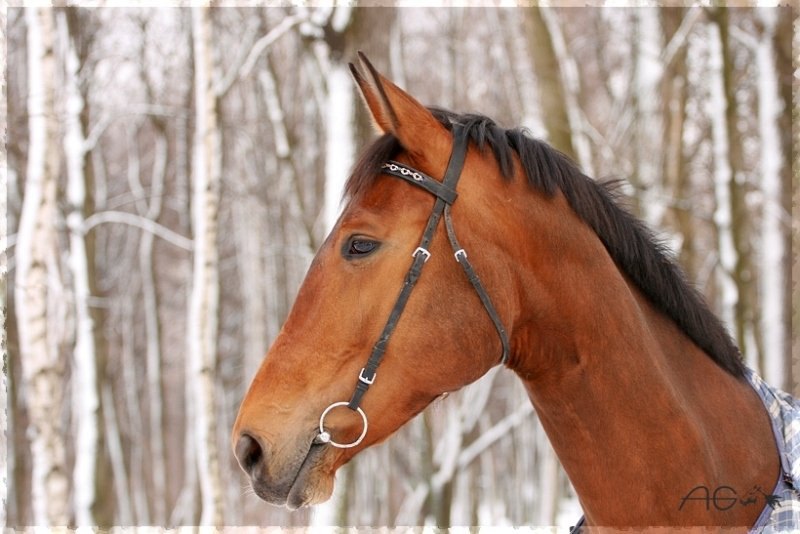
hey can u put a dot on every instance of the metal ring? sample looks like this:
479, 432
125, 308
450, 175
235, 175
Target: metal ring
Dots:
325, 436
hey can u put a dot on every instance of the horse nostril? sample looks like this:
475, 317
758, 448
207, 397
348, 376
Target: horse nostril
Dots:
248, 452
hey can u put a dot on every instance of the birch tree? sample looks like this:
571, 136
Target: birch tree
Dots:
340, 139
646, 73
772, 228
782, 37
736, 248
674, 172
6, 415
204, 300
149, 206
85, 388
345, 30
723, 177
42, 366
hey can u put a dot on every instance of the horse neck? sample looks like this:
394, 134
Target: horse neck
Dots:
625, 397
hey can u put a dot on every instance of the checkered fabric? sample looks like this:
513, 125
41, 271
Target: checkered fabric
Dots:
784, 412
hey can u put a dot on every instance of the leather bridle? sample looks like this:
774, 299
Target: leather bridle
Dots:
445, 193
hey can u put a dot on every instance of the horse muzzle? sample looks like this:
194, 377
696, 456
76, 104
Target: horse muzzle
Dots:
296, 480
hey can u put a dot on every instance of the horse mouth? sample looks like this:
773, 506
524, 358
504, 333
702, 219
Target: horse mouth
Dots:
304, 488
302, 491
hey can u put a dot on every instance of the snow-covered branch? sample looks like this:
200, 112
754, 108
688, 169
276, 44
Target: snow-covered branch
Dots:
123, 217
285, 25
493, 435
680, 38
224, 84
106, 120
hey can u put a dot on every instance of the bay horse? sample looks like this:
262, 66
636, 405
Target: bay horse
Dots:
637, 384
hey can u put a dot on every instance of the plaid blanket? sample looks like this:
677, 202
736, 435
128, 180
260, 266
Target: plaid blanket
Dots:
782, 514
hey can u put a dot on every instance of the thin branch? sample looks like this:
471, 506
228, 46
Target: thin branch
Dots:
494, 434
145, 224
135, 109
466, 456
748, 41
286, 24
226, 82
680, 37
97, 130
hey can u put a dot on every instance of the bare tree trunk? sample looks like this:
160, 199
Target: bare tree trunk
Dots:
137, 492
290, 182
550, 82
184, 512
85, 390
258, 327
723, 176
675, 176
349, 30
149, 206
204, 304
340, 134
43, 370
772, 229
121, 487
150, 209
6, 415
782, 39
740, 268
647, 122
153, 331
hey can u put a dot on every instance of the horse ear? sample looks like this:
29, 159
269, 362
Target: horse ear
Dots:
382, 118
396, 112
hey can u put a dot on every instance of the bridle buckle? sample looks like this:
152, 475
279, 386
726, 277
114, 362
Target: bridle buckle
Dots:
422, 251
367, 381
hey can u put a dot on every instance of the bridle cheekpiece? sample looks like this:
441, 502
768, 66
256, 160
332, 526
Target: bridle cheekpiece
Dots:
445, 193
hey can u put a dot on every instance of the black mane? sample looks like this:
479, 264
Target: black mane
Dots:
631, 245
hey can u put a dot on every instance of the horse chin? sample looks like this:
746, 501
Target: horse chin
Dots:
312, 486
309, 482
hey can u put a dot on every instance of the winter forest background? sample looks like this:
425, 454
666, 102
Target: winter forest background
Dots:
170, 173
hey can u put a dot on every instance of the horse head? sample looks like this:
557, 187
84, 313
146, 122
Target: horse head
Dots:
294, 428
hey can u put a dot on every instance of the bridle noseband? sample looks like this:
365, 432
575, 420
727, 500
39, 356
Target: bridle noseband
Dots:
445, 193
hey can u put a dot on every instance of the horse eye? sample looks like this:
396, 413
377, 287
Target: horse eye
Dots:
360, 247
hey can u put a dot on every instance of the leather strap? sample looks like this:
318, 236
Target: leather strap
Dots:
445, 193
461, 257
437, 189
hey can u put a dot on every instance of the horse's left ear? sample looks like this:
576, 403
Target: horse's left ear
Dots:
396, 112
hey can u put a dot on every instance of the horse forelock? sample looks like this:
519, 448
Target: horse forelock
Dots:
633, 247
